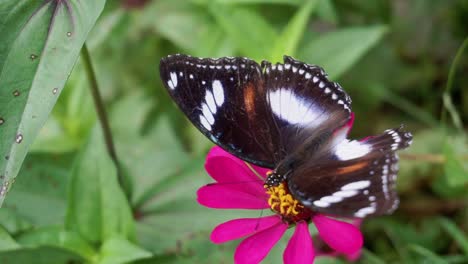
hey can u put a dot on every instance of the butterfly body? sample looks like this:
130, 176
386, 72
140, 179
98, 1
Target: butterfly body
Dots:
290, 118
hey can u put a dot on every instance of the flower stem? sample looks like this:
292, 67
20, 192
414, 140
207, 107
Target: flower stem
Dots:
102, 116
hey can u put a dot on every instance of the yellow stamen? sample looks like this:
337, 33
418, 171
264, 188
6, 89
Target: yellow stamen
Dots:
282, 202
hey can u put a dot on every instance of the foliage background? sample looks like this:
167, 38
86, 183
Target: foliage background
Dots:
392, 57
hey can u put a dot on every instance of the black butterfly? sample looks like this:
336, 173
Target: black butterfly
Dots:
289, 117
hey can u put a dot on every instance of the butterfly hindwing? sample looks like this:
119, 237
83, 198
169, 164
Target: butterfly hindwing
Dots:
358, 182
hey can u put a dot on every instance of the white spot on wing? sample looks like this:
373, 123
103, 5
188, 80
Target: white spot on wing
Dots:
331, 199
207, 113
210, 101
290, 107
205, 123
173, 81
347, 150
218, 92
345, 194
321, 204
365, 211
356, 185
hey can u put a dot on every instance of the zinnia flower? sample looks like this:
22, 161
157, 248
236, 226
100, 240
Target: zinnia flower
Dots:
240, 185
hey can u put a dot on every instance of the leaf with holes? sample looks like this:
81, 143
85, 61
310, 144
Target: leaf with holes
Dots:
41, 41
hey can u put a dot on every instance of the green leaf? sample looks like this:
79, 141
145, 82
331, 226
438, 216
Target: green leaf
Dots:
288, 41
72, 118
97, 207
455, 168
327, 12
428, 254
456, 233
6, 241
12, 221
338, 51
328, 260
371, 258
42, 43
176, 21
174, 214
251, 41
118, 250
41, 255
40, 191
56, 237
285, 2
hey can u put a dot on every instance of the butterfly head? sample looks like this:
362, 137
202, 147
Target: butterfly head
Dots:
273, 179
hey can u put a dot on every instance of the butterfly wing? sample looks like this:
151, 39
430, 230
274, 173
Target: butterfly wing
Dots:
259, 114
304, 104
357, 181
223, 99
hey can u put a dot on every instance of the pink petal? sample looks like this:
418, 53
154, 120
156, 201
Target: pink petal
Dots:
340, 236
354, 256
255, 248
238, 228
223, 196
299, 249
225, 168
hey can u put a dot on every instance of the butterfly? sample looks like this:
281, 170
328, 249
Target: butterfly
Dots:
290, 118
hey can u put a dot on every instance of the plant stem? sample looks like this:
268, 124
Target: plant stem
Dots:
447, 99
102, 115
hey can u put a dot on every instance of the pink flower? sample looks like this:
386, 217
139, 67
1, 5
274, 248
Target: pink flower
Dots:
240, 186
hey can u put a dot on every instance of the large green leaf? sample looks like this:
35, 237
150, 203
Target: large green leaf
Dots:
456, 233
6, 241
118, 251
176, 21
40, 255
97, 207
288, 41
40, 44
40, 192
251, 41
57, 237
72, 118
337, 51
455, 168
429, 256
12, 221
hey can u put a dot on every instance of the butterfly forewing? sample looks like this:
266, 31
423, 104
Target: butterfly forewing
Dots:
305, 105
358, 182
223, 98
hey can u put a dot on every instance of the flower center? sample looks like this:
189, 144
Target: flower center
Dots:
284, 204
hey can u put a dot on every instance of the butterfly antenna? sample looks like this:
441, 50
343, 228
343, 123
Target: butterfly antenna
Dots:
236, 182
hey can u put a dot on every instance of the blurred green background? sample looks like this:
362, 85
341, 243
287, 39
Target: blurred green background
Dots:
392, 57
